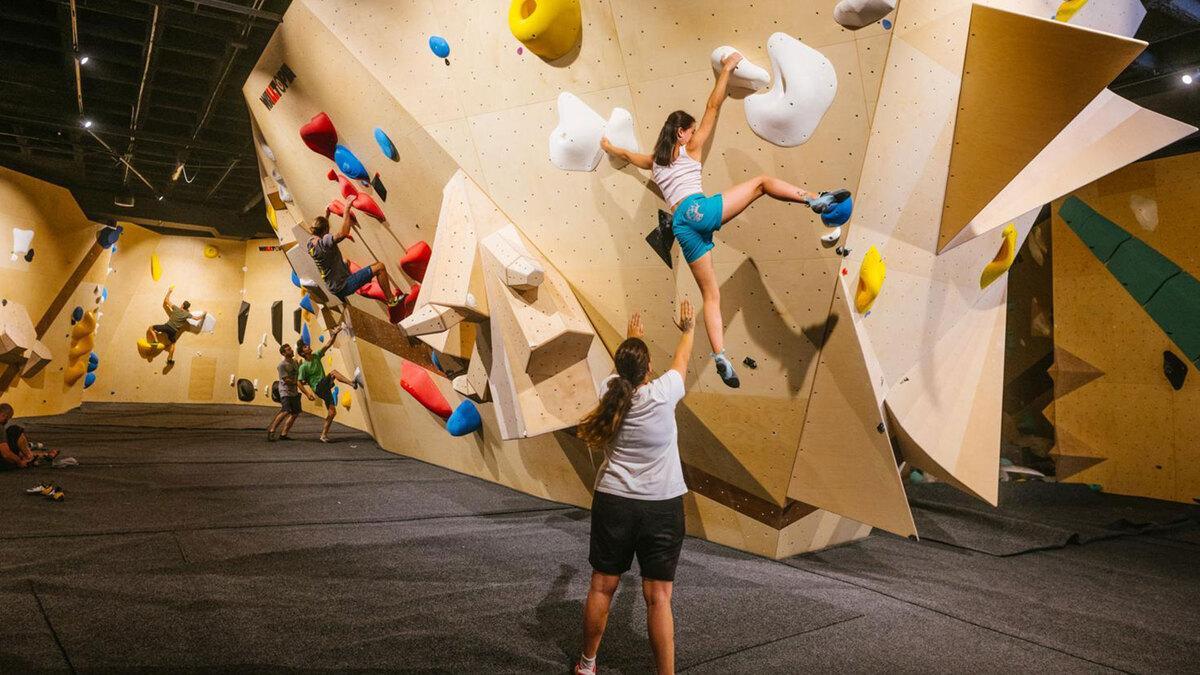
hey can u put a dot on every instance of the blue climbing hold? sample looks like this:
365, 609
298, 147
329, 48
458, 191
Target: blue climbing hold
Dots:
839, 213
76, 314
337, 394
89, 380
916, 476
306, 304
93, 362
103, 294
440, 47
321, 339
386, 146
887, 24
108, 235
433, 357
295, 279
304, 336
464, 420
349, 164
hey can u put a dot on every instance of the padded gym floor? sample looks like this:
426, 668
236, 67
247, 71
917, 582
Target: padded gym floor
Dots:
187, 540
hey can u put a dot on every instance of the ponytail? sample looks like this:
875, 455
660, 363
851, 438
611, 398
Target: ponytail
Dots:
664, 147
601, 425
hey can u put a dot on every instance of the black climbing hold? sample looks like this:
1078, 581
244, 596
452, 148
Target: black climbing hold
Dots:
880, 428
29, 255
245, 390
277, 321
275, 391
379, 187
750, 363
661, 238
243, 317
297, 319
1175, 369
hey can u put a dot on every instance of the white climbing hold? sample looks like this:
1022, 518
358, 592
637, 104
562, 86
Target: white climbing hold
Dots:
575, 142
620, 132
1145, 210
232, 379
266, 150
804, 85
745, 75
855, 14
833, 236
21, 242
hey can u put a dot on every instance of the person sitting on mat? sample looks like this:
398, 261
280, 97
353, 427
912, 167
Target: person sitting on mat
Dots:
676, 168
314, 382
167, 333
16, 451
289, 395
323, 247
637, 509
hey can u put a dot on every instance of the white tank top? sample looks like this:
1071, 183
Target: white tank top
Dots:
679, 180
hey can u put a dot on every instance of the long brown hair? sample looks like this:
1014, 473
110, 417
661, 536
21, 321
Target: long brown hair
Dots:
633, 362
664, 147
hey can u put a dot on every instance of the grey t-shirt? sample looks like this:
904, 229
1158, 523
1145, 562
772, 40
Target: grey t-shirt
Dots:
324, 251
177, 318
288, 369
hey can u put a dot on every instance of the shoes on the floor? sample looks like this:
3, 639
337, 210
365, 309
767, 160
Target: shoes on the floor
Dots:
64, 462
56, 494
44, 489
284, 437
271, 436
580, 669
326, 439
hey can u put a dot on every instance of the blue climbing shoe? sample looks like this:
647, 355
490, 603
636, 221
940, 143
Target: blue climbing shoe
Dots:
725, 370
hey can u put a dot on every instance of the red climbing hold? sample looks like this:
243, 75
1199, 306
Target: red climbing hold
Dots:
348, 189
319, 135
415, 260
364, 202
336, 207
417, 382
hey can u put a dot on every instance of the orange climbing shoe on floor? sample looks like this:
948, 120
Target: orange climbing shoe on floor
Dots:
44, 489
56, 494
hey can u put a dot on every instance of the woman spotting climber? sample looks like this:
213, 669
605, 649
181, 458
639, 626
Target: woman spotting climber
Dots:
638, 505
676, 169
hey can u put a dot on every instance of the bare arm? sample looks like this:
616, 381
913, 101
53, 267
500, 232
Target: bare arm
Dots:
307, 391
7, 455
683, 351
347, 222
709, 121
641, 161
167, 300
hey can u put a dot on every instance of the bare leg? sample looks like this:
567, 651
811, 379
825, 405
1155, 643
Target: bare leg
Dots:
328, 421
287, 426
595, 611
710, 290
738, 197
381, 275
170, 353
151, 336
661, 623
338, 377
28, 454
275, 422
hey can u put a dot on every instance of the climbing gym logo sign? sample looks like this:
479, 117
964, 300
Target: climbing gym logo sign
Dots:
279, 84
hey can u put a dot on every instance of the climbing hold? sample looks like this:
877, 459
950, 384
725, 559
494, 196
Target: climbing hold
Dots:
464, 420
93, 362
386, 146
211, 252
277, 321
750, 363
306, 305
155, 267
916, 476
346, 400
245, 390
284, 194
1004, 257
549, 28
349, 163
855, 14
348, 189
416, 381
366, 204
886, 23
1145, 210
870, 280
148, 350
104, 295
619, 130
336, 207
745, 75
76, 314
439, 46
243, 318
415, 260
436, 361
805, 84
267, 152
1175, 369
89, 380
401, 311
108, 235
297, 319
337, 394
21, 241
295, 279
319, 135
832, 237
839, 214
271, 218
575, 142
304, 335
1095, 487
1067, 10
29, 255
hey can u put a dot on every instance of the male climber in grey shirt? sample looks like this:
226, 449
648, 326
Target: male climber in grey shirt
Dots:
323, 247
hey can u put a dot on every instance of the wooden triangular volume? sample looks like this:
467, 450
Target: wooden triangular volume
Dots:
1110, 133
1024, 79
845, 462
946, 410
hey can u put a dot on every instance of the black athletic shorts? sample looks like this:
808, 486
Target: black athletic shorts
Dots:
324, 391
650, 529
290, 404
167, 331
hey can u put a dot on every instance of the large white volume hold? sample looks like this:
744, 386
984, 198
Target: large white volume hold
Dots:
21, 241
855, 14
575, 142
620, 131
745, 75
805, 84
266, 150
284, 194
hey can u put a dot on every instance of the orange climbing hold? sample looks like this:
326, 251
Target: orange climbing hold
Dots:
417, 382
415, 260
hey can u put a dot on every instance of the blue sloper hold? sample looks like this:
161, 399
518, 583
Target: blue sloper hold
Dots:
464, 420
89, 380
386, 146
93, 362
295, 279
306, 305
304, 335
107, 236
439, 46
337, 394
438, 364
839, 214
349, 164
103, 294
76, 314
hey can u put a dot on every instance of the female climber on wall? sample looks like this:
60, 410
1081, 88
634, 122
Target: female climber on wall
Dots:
676, 168
638, 505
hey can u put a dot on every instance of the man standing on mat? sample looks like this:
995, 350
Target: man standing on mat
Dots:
289, 395
314, 382
16, 452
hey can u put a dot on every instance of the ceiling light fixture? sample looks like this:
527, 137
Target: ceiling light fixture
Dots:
1187, 78
87, 124
83, 60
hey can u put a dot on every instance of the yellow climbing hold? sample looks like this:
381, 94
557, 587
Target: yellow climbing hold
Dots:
549, 28
1068, 9
1004, 257
346, 400
211, 252
271, 217
870, 280
155, 267
148, 350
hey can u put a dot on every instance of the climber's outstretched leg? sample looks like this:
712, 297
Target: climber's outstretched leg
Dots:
710, 291
738, 197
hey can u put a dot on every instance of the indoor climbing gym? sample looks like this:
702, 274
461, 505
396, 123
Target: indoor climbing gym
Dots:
445, 336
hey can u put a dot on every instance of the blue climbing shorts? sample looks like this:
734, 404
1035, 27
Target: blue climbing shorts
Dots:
354, 282
696, 218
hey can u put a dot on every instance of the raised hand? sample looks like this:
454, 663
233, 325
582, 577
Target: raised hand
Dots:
635, 329
687, 317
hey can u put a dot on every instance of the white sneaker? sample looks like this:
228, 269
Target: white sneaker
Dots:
580, 669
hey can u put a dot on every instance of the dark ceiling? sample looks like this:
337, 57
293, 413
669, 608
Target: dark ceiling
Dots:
162, 86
